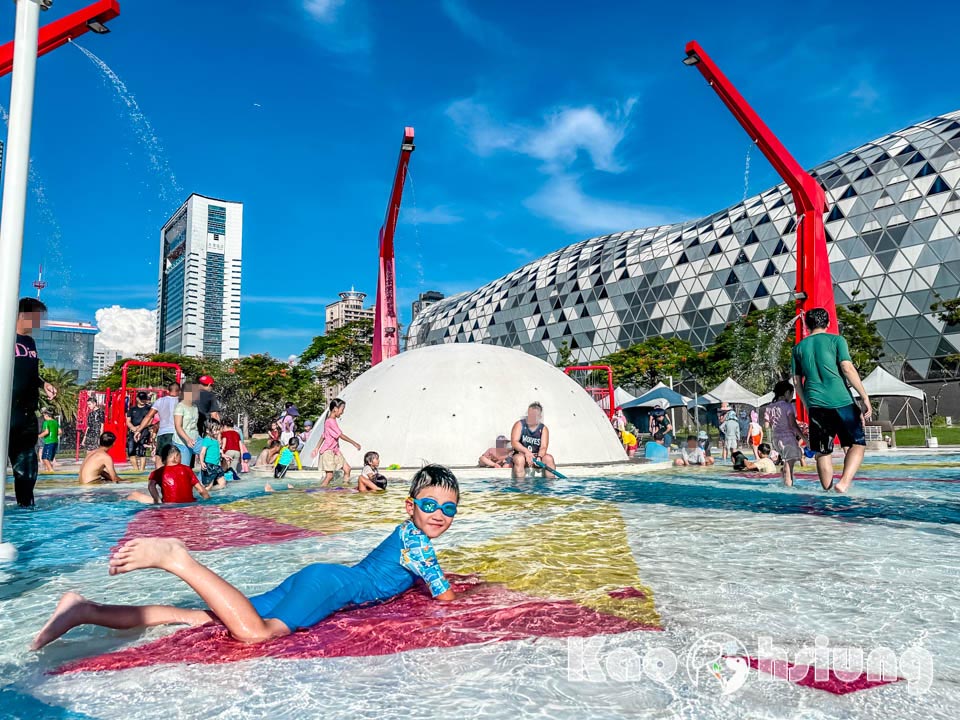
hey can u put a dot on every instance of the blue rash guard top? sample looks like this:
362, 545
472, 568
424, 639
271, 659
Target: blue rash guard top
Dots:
311, 594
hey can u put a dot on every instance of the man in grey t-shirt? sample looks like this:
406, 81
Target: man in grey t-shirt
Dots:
163, 408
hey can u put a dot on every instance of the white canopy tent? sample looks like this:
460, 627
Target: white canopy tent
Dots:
620, 397
766, 399
730, 391
880, 383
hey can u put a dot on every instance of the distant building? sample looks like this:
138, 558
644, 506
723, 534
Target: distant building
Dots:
103, 359
198, 295
425, 300
348, 309
67, 346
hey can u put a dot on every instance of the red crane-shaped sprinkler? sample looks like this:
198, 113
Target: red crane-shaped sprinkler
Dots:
386, 324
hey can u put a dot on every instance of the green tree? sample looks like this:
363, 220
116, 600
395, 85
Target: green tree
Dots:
68, 392
564, 356
866, 345
343, 354
754, 350
654, 360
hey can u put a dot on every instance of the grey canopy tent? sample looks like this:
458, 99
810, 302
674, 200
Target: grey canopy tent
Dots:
730, 391
880, 383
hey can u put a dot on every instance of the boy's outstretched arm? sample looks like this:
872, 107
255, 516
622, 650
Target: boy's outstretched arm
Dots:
152, 487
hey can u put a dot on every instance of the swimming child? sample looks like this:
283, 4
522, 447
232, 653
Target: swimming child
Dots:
211, 474
692, 454
781, 417
171, 482
331, 459
763, 464
370, 479
287, 456
98, 465
303, 599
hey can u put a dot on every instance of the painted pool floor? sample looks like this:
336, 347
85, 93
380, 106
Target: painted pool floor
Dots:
580, 580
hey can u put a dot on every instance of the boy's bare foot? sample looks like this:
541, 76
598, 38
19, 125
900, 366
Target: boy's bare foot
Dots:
150, 552
289, 486
268, 488
842, 486
64, 618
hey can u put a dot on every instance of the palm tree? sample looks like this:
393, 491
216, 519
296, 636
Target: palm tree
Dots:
68, 392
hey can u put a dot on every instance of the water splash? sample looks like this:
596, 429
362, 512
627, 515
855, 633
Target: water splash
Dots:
418, 265
52, 256
746, 174
169, 189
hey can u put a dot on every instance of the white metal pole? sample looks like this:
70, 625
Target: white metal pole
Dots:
15, 169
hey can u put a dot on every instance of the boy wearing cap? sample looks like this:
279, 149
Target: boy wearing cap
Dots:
499, 456
138, 437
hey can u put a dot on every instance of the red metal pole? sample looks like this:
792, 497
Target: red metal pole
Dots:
386, 325
814, 286
62, 31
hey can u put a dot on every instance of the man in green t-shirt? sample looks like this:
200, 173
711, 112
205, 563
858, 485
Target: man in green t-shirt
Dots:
50, 435
822, 370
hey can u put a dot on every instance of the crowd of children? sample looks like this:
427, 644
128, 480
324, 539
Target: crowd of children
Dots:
786, 434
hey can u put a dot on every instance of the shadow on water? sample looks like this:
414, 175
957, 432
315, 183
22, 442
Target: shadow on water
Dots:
20, 706
708, 496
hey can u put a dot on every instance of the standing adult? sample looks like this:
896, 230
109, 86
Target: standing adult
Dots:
288, 422
822, 369
138, 434
186, 433
208, 407
660, 423
25, 398
95, 420
162, 409
530, 440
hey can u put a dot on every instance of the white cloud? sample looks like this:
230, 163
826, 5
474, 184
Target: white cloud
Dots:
339, 26
439, 215
324, 11
563, 201
557, 141
477, 29
130, 331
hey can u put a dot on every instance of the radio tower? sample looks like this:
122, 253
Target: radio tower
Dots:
39, 283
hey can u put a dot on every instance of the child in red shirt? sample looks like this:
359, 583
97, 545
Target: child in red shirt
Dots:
171, 482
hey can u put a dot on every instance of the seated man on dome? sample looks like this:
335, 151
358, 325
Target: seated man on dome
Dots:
530, 440
499, 456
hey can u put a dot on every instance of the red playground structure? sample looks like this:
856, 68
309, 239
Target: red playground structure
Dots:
137, 376
598, 381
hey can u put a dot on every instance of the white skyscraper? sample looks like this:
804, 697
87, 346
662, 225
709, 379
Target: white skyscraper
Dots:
198, 297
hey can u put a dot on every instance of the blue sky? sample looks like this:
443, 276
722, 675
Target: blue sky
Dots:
538, 124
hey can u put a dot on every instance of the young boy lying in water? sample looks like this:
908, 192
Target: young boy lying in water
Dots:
299, 602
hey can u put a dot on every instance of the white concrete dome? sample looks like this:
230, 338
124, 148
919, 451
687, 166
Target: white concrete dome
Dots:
448, 403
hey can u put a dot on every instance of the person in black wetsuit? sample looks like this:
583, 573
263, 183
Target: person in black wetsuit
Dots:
24, 401
530, 440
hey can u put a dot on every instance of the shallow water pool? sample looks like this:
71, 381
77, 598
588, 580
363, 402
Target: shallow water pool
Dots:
658, 595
